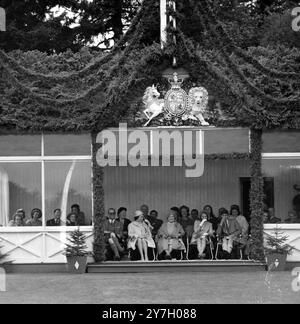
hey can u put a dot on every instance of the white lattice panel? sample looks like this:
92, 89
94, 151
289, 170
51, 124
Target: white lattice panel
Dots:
37, 246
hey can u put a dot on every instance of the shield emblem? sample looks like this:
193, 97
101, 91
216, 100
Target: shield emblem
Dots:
176, 102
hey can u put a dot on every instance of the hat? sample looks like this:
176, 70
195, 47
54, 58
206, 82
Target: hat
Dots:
36, 210
138, 214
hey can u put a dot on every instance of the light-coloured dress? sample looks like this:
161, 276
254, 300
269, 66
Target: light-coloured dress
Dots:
138, 230
170, 234
245, 229
201, 230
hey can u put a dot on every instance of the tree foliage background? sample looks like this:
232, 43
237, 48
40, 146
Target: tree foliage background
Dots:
32, 25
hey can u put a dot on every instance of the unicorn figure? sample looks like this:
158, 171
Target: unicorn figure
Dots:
154, 105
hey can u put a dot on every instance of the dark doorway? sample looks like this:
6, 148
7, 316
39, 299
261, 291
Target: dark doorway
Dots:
245, 194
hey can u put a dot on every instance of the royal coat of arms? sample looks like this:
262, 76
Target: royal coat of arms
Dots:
177, 103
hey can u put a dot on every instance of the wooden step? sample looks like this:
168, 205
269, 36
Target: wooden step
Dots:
176, 266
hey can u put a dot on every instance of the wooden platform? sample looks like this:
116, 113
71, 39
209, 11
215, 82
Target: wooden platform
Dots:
176, 266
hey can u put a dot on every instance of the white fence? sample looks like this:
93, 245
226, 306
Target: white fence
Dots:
37, 245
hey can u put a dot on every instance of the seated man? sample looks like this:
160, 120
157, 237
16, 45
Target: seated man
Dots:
113, 232
229, 230
56, 221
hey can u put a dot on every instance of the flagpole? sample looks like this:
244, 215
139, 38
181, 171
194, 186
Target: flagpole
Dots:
163, 23
173, 22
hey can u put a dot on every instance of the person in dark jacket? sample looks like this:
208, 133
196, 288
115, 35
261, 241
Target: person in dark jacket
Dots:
154, 222
56, 221
114, 233
122, 216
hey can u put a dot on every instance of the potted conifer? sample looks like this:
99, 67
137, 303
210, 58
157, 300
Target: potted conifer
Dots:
76, 252
2, 256
277, 250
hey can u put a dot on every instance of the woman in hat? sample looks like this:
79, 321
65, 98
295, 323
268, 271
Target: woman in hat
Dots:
139, 233
36, 215
170, 236
18, 219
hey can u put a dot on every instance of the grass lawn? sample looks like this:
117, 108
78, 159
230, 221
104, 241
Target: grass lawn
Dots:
178, 288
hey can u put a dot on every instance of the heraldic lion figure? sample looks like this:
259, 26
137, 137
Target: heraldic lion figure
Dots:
198, 101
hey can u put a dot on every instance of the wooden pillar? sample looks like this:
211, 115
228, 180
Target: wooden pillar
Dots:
257, 196
99, 203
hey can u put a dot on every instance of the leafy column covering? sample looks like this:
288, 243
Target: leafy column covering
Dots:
99, 207
257, 196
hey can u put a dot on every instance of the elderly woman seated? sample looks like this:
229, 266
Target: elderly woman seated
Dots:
203, 230
170, 237
229, 231
139, 233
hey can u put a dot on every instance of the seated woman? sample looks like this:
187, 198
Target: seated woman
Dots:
140, 235
243, 238
36, 215
187, 222
18, 219
228, 231
170, 237
202, 231
72, 220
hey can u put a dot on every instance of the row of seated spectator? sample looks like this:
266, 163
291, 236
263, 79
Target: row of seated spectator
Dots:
270, 217
181, 231
75, 218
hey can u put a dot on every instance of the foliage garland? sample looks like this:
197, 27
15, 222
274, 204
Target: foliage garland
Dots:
230, 44
227, 156
80, 97
257, 196
225, 50
101, 60
99, 205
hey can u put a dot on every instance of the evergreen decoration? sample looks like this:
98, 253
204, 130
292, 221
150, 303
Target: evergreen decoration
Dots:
2, 256
277, 243
257, 196
77, 245
99, 208
78, 92
228, 156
